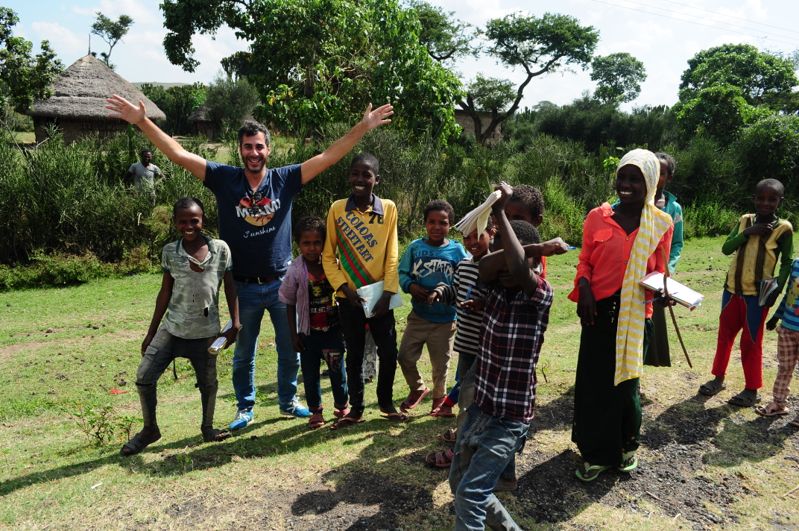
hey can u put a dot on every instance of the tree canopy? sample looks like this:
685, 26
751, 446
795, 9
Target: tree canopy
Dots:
538, 45
618, 77
763, 78
111, 32
444, 36
315, 62
24, 77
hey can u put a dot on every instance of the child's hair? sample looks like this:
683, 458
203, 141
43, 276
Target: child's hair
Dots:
439, 205
187, 202
773, 184
144, 150
671, 164
252, 128
310, 223
530, 197
525, 232
366, 158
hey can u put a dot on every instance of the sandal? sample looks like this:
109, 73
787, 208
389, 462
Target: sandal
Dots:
316, 420
140, 441
346, 421
746, 398
712, 388
773, 409
214, 435
443, 411
394, 416
414, 399
437, 404
589, 472
449, 436
628, 462
440, 459
342, 411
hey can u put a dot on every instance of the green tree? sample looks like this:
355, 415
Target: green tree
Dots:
763, 78
177, 102
229, 102
111, 32
719, 111
24, 77
444, 36
618, 77
315, 62
538, 45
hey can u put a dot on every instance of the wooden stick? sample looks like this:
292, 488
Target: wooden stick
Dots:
790, 491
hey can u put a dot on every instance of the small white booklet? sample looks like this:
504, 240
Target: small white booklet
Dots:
679, 292
478, 218
371, 293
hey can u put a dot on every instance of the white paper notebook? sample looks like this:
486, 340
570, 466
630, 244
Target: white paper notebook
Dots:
679, 292
371, 293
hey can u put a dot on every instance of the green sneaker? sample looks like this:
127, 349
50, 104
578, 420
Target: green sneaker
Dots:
628, 462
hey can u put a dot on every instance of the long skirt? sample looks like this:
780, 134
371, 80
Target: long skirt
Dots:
657, 355
607, 417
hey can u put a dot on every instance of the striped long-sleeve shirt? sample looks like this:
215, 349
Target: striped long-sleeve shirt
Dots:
465, 286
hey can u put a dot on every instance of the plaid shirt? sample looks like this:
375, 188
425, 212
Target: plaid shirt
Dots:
514, 326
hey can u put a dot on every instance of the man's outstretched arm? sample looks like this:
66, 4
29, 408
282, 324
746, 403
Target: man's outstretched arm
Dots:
371, 118
125, 110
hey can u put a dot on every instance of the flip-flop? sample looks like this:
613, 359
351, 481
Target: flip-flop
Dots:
588, 472
771, 410
414, 399
448, 436
711, 388
440, 459
215, 435
346, 421
394, 416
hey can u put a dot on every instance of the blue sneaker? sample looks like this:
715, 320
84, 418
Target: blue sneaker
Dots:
296, 410
243, 418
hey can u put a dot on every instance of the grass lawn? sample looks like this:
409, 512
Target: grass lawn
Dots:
703, 463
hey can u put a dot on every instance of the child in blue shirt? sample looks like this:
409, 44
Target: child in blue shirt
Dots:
426, 263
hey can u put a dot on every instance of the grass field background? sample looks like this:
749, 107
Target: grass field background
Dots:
62, 352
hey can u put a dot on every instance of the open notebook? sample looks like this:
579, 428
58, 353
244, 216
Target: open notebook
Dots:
679, 292
371, 293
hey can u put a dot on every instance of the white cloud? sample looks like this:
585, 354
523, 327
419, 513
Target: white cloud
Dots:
66, 42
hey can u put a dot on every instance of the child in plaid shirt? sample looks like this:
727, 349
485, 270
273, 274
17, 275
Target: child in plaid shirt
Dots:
496, 425
787, 346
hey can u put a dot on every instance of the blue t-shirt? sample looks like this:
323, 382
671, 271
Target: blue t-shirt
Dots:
429, 266
256, 226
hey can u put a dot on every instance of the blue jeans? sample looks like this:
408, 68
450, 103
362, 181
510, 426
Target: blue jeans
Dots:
327, 346
253, 300
486, 446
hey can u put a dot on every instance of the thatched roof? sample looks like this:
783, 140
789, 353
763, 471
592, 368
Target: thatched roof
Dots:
200, 114
80, 93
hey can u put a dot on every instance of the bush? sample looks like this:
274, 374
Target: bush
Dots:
53, 270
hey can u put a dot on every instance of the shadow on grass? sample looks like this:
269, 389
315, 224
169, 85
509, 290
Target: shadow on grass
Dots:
687, 422
752, 441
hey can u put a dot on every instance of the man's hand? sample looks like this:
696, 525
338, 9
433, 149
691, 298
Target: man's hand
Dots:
232, 334
377, 117
352, 296
382, 306
418, 293
772, 323
122, 108
146, 343
554, 246
507, 191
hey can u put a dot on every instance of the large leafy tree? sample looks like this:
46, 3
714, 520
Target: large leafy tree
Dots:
315, 62
537, 45
763, 78
719, 111
24, 77
177, 102
618, 77
445, 37
111, 31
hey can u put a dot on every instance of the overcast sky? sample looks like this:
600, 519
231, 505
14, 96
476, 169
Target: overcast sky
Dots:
663, 34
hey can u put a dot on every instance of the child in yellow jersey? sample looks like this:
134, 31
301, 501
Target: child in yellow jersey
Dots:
361, 248
757, 243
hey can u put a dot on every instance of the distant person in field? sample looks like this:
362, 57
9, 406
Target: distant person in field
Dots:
254, 206
756, 244
187, 310
657, 355
144, 173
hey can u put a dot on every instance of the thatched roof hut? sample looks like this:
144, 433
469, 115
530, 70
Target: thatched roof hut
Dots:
77, 105
202, 124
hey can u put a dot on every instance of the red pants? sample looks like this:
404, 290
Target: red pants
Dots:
741, 312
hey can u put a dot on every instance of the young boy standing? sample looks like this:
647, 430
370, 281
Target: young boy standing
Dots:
515, 319
426, 263
757, 243
361, 248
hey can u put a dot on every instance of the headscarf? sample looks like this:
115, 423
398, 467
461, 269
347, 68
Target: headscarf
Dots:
654, 224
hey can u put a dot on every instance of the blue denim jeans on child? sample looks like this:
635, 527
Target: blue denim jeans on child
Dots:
485, 447
254, 299
327, 347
